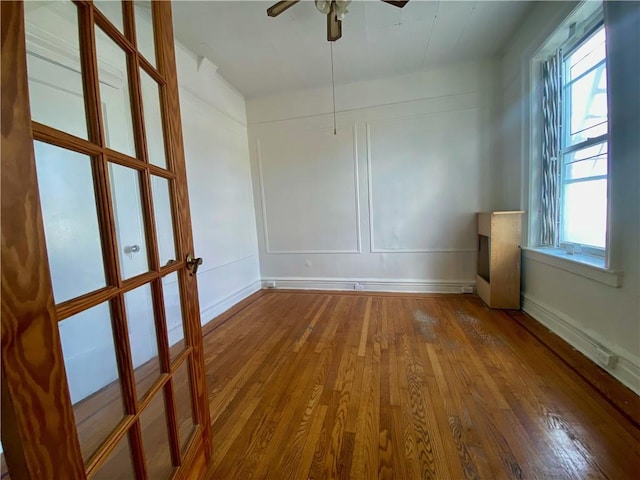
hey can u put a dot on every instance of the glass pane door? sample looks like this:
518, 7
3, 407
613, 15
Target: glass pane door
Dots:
109, 187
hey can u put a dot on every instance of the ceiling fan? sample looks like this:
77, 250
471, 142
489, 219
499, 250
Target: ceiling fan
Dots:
334, 9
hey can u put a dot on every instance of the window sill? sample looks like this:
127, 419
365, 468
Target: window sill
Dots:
583, 265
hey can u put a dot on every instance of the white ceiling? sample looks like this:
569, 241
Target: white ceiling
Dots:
260, 55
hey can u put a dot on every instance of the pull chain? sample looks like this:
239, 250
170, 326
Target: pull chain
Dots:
333, 91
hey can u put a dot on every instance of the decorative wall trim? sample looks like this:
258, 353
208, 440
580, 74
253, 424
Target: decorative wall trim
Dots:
263, 206
368, 284
208, 69
356, 187
372, 246
209, 313
225, 264
206, 66
475, 102
367, 127
626, 370
263, 197
430, 104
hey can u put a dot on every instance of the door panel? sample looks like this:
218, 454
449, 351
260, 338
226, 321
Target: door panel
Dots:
119, 466
28, 314
156, 438
68, 199
144, 30
153, 120
115, 95
129, 218
142, 338
184, 409
173, 314
116, 310
53, 59
88, 349
113, 11
164, 219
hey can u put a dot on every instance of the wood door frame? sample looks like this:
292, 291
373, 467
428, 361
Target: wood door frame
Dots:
29, 322
38, 427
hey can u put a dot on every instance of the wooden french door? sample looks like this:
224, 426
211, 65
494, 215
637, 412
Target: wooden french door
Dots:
102, 367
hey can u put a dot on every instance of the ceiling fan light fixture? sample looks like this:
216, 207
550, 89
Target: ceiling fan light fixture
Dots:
335, 10
323, 6
341, 8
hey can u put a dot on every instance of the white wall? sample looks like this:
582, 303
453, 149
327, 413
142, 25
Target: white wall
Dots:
219, 181
585, 312
389, 201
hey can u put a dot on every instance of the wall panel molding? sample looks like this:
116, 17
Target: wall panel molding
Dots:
370, 186
217, 266
268, 248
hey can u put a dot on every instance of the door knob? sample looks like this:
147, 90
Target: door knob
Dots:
193, 263
132, 249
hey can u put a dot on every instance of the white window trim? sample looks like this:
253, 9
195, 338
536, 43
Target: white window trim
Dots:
588, 29
587, 266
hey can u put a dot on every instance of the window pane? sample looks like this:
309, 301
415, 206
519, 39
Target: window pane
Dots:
155, 437
92, 373
587, 55
164, 220
184, 415
142, 337
171, 291
144, 30
112, 9
152, 119
114, 95
127, 209
68, 202
587, 162
587, 100
585, 213
119, 465
55, 82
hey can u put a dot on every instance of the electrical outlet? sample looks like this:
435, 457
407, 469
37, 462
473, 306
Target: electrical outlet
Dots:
605, 357
358, 286
271, 284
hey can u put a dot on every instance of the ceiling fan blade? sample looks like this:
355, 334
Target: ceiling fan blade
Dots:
334, 27
277, 8
396, 3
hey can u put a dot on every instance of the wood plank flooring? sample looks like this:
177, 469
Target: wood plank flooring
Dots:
362, 386
322, 385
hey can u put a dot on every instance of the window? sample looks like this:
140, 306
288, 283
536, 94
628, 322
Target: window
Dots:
574, 150
583, 212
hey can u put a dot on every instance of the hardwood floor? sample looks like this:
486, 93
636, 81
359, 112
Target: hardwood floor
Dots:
321, 385
361, 386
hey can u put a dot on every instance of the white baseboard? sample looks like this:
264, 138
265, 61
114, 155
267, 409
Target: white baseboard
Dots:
368, 284
626, 370
221, 306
